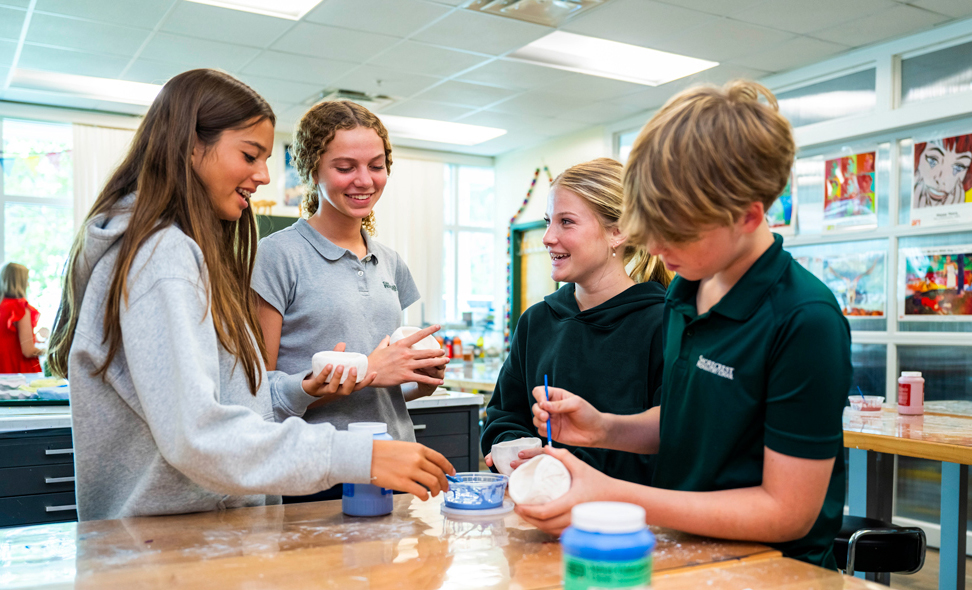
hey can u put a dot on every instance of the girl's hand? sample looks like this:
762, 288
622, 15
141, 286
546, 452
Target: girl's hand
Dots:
409, 467
525, 455
397, 363
573, 420
334, 389
586, 485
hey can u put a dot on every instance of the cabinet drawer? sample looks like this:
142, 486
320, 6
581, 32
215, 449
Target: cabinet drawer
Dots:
440, 424
38, 479
29, 449
455, 445
37, 509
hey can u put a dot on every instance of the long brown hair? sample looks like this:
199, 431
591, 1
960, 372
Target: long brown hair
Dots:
193, 108
598, 182
315, 130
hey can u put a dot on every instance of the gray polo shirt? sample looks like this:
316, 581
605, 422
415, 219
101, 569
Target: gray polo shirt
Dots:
327, 295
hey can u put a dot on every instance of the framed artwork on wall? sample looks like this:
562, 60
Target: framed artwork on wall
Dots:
293, 188
935, 284
857, 280
850, 192
942, 182
781, 216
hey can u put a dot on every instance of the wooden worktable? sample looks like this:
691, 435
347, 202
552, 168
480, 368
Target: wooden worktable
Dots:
315, 545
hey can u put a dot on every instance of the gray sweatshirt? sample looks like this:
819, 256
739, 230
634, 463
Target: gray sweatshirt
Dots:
173, 427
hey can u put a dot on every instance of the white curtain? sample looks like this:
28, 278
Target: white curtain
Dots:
97, 152
409, 220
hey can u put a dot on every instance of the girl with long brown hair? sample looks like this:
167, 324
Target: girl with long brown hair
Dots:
172, 407
603, 313
326, 279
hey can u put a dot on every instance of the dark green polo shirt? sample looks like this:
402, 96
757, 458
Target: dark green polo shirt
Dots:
767, 366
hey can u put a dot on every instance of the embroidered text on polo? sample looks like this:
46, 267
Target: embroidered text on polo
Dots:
714, 367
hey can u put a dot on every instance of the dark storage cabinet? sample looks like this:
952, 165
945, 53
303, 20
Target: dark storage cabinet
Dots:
36, 477
451, 430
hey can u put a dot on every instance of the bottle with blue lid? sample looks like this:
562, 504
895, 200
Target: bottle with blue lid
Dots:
607, 545
362, 499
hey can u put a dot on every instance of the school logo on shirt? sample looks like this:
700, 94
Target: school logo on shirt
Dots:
390, 286
715, 368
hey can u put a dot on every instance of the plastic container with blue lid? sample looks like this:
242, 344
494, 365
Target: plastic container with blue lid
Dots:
607, 545
362, 499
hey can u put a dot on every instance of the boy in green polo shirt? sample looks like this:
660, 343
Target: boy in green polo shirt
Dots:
757, 352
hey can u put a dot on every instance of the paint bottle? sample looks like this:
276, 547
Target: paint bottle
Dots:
607, 545
362, 499
911, 393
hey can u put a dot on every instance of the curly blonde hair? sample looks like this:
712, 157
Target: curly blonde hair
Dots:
315, 130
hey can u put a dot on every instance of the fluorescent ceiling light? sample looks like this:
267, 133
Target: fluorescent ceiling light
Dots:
440, 131
289, 9
609, 59
105, 89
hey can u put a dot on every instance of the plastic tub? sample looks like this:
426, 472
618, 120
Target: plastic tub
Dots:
866, 403
607, 545
477, 491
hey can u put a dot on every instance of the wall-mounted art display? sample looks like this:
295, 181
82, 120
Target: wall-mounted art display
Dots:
935, 282
857, 280
293, 188
781, 216
850, 192
942, 182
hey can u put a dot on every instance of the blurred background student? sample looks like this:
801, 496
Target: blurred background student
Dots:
18, 319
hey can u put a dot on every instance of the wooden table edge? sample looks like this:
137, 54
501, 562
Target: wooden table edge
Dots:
882, 443
768, 554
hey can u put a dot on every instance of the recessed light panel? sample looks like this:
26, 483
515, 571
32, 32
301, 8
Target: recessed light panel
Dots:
609, 59
289, 9
551, 13
440, 131
88, 87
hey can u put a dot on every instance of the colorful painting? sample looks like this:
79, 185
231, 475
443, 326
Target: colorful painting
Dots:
781, 216
936, 282
850, 189
857, 280
942, 188
293, 187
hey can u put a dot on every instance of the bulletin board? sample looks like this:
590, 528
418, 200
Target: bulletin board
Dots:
530, 268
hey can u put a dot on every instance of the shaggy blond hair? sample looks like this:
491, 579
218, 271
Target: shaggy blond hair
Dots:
13, 280
703, 159
598, 183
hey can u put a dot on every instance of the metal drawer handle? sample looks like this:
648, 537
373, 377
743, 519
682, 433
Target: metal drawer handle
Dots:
58, 479
64, 508
58, 451
418, 426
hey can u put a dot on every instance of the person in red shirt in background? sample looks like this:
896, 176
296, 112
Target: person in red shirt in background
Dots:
18, 319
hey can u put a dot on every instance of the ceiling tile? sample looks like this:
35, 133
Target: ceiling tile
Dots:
600, 113
720, 7
483, 33
36, 57
199, 53
222, 24
502, 144
719, 75
16, 3
806, 17
153, 72
298, 68
513, 74
143, 14
898, 21
953, 8
540, 103
11, 22
7, 51
333, 43
522, 123
425, 59
638, 22
723, 39
592, 88
379, 80
399, 18
284, 91
791, 54
72, 33
449, 2
465, 94
424, 109
287, 118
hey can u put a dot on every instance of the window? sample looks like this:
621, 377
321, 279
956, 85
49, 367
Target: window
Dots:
36, 209
844, 96
625, 143
939, 73
469, 247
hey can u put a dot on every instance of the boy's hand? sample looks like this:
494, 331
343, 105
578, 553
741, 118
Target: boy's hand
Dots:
573, 420
586, 485
409, 467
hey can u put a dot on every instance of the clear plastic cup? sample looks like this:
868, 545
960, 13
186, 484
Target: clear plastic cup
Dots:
866, 403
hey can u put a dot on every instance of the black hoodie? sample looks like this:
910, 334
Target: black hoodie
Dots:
611, 355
